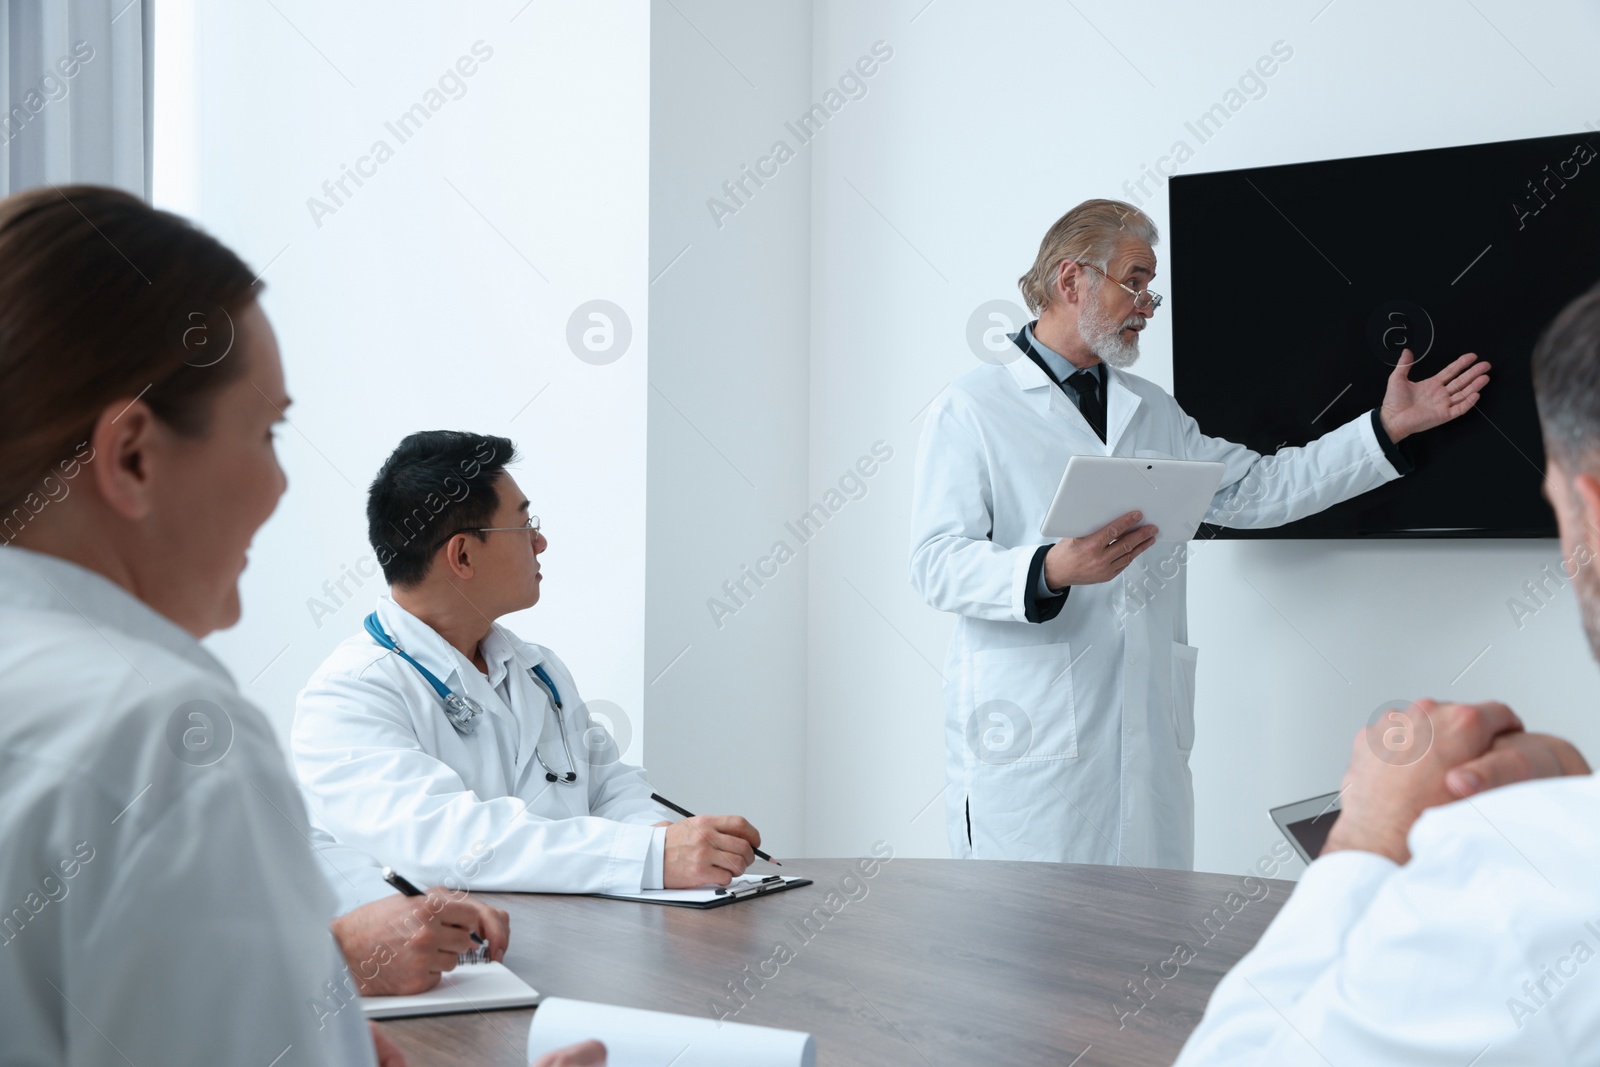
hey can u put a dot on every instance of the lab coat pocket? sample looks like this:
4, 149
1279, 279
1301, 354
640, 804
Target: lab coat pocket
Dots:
1184, 658
1022, 708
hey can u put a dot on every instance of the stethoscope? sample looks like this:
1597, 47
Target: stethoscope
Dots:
463, 711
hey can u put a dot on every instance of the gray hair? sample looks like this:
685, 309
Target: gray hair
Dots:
1088, 233
1566, 381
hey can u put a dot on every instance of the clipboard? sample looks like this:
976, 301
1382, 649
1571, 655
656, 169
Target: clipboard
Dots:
744, 887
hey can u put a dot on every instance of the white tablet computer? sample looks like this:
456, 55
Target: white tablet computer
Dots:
1306, 823
1173, 494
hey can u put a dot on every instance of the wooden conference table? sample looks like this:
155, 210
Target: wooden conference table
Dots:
939, 962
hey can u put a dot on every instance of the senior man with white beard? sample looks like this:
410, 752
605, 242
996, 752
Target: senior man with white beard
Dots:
1070, 703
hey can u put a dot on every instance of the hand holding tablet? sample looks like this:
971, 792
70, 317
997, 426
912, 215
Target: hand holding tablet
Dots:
1098, 556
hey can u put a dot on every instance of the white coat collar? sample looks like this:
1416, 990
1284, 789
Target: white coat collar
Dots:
35, 581
501, 648
1121, 402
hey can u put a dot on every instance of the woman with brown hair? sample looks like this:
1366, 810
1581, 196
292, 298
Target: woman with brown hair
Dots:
158, 900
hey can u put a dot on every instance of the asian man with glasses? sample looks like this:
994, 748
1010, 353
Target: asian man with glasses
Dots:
444, 744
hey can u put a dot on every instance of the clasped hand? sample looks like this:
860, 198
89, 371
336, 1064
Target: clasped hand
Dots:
1435, 754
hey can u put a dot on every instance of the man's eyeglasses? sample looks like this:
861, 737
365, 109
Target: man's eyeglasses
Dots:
1143, 299
529, 527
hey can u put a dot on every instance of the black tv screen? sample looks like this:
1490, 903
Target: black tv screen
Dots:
1300, 284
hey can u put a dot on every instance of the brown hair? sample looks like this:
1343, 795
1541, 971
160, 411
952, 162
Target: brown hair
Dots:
103, 297
1088, 233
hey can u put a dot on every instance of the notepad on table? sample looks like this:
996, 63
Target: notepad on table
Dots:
470, 987
743, 887
637, 1038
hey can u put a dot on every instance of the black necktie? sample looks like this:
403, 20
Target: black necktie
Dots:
1093, 409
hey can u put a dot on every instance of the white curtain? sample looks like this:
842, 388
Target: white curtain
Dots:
75, 89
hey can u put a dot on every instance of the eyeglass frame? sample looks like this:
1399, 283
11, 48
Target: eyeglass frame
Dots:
529, 527
1155, 297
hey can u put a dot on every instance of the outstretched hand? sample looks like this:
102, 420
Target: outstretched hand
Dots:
1410, 407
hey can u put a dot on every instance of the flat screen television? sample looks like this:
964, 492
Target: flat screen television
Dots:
1296, 287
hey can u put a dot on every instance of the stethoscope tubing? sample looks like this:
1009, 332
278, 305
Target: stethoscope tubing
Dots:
465, 723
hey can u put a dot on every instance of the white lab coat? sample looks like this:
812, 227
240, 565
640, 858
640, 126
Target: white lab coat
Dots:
1484, 949
383, 770
1104, 692
355, 877
153, 910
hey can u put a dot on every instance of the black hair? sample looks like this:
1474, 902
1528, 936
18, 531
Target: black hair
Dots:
1566, 381
434, 485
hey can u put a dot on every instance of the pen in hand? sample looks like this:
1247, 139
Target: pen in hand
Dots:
687, 814
402, 883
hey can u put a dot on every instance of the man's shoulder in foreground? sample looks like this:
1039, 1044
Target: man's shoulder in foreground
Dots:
1497, 912
1556, 818
1480, 949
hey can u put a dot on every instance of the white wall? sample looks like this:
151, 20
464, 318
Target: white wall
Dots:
726, 687
817, 319
930, 197
438, 295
